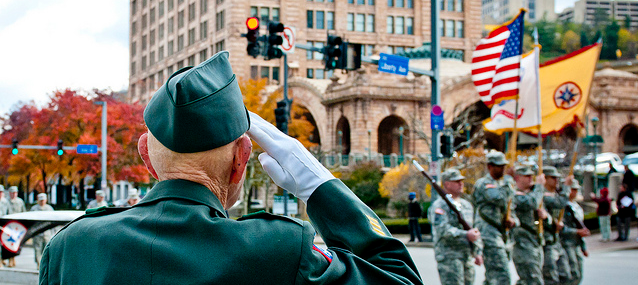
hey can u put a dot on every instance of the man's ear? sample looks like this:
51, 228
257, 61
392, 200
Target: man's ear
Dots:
142, 148
241, 155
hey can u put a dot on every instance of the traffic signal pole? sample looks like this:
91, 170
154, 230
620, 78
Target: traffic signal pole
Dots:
288, 107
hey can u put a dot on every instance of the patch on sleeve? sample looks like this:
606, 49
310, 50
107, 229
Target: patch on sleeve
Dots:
376, 226
323, 252
439, 211
490, 186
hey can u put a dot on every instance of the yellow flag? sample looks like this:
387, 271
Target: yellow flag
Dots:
565, 83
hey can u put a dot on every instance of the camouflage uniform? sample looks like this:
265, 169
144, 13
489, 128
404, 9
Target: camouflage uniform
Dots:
41, 240
552, 249
572, 244
490, 200
16, 205
4, 203
528, 247
451, 246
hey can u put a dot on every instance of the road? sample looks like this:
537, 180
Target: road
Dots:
602, 267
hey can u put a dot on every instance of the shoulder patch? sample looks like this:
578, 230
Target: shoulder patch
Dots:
323, 252
490, 186
439, 211
263, 215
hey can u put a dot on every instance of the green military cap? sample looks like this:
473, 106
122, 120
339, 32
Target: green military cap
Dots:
13, 189
451, 174
575, 185
496, 158
551, 171
524, 170
199, 108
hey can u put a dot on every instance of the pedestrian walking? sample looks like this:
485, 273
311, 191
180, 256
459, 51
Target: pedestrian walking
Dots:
41, 240
603, 211
456, 250
626, 211
414, 213
629, 179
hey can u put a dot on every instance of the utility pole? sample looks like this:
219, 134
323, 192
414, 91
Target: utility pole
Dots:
103, 183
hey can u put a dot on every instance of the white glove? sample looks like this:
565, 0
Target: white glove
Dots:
286, 160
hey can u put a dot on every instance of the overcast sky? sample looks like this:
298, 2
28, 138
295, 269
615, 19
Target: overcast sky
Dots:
560, 5
47, 45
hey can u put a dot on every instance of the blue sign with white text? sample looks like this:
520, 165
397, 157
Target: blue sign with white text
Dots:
86, 149
436, 118
393, 64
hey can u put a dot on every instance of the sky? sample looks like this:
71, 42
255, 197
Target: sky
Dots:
560, 5
49, 45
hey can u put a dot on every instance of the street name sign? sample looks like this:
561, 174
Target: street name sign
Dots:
393, 64
86, 149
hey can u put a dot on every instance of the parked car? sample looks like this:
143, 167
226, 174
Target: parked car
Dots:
632, 161
585, 163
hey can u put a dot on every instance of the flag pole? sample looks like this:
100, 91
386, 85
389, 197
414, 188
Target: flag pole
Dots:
514, 141
538, 102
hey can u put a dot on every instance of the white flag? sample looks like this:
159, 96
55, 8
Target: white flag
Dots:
502, 114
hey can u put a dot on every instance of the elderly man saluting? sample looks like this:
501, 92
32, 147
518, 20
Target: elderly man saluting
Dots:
197, 147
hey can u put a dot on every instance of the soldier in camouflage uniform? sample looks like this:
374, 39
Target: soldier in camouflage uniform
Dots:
452, 248
554, 201
528, 247
571, 238
493, 196
41, 240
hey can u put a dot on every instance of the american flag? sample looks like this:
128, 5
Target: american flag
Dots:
496, 62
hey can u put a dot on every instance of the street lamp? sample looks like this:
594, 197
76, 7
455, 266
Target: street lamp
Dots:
401, 144
594, 123
369, 144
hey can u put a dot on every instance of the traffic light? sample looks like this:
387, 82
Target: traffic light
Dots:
274, 40
253, 49
14, 147
332, 52
60, 149
447, 145
281, 116
350, 58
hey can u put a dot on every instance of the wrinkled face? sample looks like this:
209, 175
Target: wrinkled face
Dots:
523, 182
496, 171
551, 182
455, 188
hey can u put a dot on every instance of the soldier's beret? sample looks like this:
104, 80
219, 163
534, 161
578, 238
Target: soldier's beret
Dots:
199, 108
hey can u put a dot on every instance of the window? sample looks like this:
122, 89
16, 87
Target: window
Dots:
310, 73
133, 48
144, 19
264, 13
160, 53
360, 24
219, 21
459, 29
398, 49
390, 50
143, 86
160, 77
152, 58
219, 46
144, 2
350, 22
459, 5
449, 28
369, 50
144, 63
350, 1
160, 9
398, 25
361, 2
171, 3
180, 2
133, 68
308, 52
203, 6
441, 28
275, 73
180, 19
191, 36
133, 8
171, 25
319, 73
180, 42
151, 83
409, 26
442, 5
144, 42
170, 48
191, 60
203, 30
265, 72
450, 5
309, 19
203, 55
151, 38
330, 20
180, 64
160, 31
320, 20
410, 3
318, 55
390, 3
370, 23
152, 15
399, 3
275, 14
390, 25
253, 11
253, 72
133, 28
169, 70
191, 12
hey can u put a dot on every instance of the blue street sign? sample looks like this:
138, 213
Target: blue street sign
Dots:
436, 118
393, 64
86, 149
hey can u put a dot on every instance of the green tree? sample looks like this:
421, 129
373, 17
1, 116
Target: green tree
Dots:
627, 22
601, 18
610, 43
570, 41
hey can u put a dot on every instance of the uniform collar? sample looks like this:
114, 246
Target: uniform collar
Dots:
186, 190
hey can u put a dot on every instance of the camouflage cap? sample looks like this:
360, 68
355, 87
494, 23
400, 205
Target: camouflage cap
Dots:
575, 185
451, 174
42, 196
496, 158
524, 170
99, 193
13, 189
551, 171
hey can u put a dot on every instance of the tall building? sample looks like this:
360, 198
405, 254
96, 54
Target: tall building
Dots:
166, 35
499, 11
584, 11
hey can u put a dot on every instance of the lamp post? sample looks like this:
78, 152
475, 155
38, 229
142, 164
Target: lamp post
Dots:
369, 144
339, 136
103, 183
594, 123
401, 144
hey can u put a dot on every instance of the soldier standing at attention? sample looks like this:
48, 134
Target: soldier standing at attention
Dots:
41, 240
528, 242
198, 146
452, 248
554, 201
493, 196
571, 238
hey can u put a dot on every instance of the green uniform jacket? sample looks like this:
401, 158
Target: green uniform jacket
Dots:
554, 204
569, 235
450, 239
526, 206
490, 201
179, 234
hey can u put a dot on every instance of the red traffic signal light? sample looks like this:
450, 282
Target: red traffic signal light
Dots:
252, 23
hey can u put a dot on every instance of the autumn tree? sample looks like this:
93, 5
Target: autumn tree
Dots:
570, 41
397, 183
